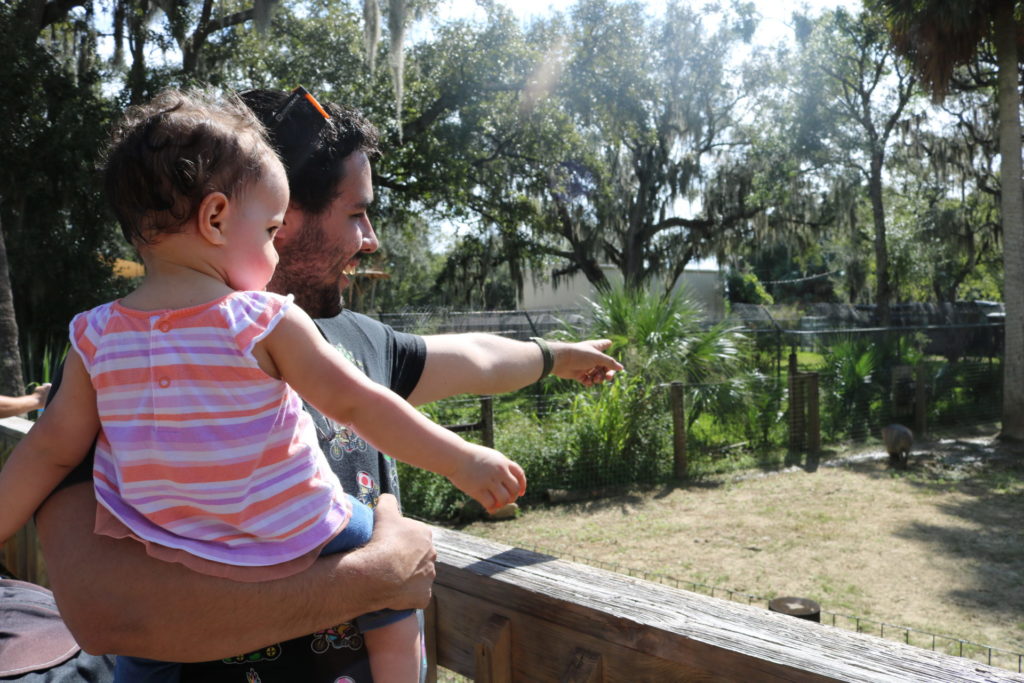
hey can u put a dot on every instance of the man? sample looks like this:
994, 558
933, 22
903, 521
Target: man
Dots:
115, 598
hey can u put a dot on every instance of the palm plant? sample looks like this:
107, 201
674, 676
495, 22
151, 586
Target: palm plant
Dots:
662, 338
849, 386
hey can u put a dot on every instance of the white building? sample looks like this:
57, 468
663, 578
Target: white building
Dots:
704, 284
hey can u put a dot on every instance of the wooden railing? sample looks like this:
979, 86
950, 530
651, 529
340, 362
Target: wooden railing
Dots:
505, 614
22, 556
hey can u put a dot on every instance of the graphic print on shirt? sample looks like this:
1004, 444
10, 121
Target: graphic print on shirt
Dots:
392, 474
369, 490
264, 654
344, 441
343, 635
252, 677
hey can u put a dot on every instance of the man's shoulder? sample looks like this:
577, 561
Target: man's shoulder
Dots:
341, 327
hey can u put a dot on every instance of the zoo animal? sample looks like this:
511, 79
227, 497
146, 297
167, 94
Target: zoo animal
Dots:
898, 440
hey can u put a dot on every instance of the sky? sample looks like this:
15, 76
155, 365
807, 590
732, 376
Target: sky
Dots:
773, 25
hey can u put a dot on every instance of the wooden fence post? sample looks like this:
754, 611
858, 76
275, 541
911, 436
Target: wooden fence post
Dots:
920, 401
430, 639
679, 466
493, 651
487, 420
797, 430
813, 412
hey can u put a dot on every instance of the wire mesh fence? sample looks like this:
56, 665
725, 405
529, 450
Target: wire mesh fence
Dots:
824, 395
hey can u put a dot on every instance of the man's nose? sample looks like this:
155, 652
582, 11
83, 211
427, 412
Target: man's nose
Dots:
370, 242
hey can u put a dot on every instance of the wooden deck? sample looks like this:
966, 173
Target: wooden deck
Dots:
507, 614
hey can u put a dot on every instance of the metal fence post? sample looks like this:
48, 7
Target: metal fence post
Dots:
679, 466
920, 401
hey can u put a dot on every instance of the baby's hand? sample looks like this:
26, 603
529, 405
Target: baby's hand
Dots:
489, 477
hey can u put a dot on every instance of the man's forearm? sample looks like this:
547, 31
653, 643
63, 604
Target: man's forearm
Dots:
488, 364
117, 599
17, 405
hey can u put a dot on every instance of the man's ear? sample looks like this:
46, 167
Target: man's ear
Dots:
292, 224
211, 218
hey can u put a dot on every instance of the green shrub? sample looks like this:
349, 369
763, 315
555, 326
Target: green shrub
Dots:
618, 434
849, 387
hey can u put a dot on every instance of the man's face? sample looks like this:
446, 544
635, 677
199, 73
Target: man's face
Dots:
317, 252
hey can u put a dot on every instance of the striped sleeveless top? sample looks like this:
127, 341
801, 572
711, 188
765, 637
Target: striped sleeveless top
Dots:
200, 450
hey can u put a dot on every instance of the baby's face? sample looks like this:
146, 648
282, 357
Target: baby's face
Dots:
255, 217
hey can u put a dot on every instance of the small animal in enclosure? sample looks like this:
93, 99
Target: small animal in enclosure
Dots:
898, 440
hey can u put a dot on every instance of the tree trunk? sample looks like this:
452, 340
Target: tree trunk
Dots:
883, 290
11, 381
1012, 207
137, 47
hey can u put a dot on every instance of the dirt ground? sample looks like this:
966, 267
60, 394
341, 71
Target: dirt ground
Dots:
938, 548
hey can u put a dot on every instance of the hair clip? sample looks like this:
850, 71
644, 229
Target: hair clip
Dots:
295, 128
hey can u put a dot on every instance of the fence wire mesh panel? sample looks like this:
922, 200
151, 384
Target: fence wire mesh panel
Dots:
802, 391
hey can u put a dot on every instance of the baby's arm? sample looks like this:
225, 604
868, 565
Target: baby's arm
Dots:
325, 378
54, 445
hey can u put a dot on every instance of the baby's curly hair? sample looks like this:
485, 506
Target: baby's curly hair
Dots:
167, 155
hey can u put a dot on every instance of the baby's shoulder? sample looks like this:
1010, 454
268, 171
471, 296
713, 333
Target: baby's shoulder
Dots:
251, 315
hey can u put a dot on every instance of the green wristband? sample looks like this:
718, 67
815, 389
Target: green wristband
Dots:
549, 358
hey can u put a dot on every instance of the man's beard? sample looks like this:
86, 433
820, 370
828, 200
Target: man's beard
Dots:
300, 273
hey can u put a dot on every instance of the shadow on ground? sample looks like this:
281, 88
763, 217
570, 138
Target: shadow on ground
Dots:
989, 478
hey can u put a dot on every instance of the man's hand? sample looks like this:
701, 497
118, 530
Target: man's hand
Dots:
407, 556
489, 477
39, 396
584, 361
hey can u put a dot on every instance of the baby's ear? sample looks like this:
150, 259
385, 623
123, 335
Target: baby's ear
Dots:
212, 215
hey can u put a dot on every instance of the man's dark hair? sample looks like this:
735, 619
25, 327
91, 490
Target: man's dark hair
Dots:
314, 181
168, 154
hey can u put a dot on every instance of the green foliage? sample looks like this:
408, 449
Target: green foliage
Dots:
60, 243
746, 288
764, 417
848, 385
662, 338
617, 434
428, 495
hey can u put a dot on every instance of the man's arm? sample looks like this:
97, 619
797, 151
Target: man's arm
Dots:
488, 364
52, 448
17, 405
117, 599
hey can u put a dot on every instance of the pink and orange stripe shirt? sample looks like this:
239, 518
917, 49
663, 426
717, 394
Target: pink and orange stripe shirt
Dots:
200, 450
